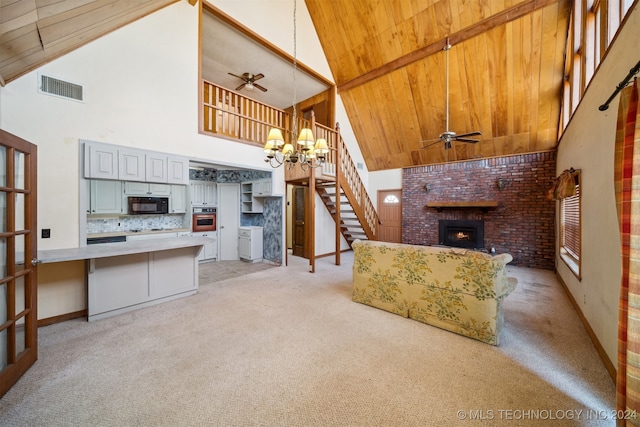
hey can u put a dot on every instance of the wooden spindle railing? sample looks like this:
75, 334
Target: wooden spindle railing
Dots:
230, 114
351, 182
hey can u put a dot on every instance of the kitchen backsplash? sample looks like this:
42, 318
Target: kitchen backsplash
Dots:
139, 222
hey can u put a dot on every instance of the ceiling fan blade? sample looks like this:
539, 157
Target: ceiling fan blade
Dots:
258, 77
264, 89
234, 75
241, 86
469, 134
432, 141
473, 141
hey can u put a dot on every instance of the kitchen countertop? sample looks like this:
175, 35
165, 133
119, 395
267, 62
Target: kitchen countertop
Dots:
133, 233
117, 249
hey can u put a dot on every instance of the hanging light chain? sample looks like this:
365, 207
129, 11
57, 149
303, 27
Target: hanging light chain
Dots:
295, 66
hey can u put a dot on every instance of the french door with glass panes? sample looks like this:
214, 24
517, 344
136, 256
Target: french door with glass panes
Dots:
18, 252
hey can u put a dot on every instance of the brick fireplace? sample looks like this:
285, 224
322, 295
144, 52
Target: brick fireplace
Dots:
508, 194
461, 233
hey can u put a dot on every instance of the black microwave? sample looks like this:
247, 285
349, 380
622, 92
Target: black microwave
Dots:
148, 205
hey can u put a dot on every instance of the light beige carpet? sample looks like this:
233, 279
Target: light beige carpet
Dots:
285, 347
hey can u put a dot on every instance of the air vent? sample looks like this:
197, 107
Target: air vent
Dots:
60, 88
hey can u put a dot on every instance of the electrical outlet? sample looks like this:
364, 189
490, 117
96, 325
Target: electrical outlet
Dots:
46, 233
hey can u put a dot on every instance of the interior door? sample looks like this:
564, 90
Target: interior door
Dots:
390, 215
299, 224
18, 240
228, 221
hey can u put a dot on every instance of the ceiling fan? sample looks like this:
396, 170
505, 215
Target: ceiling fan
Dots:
249, 81
448, 136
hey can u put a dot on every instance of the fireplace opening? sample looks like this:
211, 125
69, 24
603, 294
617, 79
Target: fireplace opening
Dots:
467, 234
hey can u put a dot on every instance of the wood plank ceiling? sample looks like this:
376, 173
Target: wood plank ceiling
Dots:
33, 32
506, 68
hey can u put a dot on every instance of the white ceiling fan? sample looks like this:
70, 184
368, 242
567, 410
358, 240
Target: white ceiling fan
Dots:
448, 136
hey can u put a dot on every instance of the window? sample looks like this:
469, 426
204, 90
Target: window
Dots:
570, 230
391, 199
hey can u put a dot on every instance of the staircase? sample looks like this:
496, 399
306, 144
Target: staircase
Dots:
348, 202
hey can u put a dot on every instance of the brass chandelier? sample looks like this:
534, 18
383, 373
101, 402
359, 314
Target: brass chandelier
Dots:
306, 150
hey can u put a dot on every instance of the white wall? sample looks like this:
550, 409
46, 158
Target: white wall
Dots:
141, 90
141, 86
588, 144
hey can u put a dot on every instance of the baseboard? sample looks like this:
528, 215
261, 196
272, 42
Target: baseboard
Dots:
61, 318
609, 366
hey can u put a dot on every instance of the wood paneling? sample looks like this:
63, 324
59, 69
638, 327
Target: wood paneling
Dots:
506, 66
33, 32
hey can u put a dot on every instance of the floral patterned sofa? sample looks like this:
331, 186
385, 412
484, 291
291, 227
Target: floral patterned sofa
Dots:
455, 289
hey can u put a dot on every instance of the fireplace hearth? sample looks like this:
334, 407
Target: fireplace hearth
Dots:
467, 234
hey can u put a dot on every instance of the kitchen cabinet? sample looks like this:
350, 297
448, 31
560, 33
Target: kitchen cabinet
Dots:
131, 165
204, 193
106, 161
150, 236
156, 168
118, 284
251, 193
250, 245
101, 161
178, 201
178, 170
210, 250
262, 188
146, 189
105, 197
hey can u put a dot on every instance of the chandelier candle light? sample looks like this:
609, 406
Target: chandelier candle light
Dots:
306, 150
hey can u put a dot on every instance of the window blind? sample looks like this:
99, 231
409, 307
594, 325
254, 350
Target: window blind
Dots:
570, 224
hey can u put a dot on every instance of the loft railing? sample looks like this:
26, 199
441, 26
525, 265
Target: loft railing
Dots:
227, 113
230, 114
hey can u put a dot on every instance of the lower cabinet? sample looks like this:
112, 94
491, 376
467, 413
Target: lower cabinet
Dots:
210, 250
122, 283
250, 243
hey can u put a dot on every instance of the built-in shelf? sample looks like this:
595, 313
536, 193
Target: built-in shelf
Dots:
483, 204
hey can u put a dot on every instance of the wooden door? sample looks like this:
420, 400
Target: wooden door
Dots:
18, 244
229, 221
390, 215
300, 248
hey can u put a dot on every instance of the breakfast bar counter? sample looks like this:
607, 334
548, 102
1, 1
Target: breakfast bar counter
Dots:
117, 249
129, 275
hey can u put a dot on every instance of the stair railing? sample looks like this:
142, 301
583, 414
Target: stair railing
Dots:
356, 192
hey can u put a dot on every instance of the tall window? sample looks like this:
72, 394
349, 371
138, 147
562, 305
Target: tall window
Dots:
570, 230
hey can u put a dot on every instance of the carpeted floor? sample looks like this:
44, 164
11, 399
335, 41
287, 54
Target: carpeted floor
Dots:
285, 347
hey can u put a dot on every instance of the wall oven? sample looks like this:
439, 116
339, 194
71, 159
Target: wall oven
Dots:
204, 219
148, 205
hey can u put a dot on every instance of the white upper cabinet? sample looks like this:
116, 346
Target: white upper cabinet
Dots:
204, 193
106, 161
178, 170
101, 161
156, 168
131, 165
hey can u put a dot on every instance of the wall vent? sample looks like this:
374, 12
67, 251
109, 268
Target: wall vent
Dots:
60, 88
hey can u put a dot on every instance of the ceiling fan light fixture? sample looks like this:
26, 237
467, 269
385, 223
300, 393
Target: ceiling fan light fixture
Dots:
249, 86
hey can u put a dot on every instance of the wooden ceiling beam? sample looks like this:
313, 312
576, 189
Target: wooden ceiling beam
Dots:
501, 18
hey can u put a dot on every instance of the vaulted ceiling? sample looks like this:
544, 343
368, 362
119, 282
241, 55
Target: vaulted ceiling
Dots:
505, 74
506, 66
